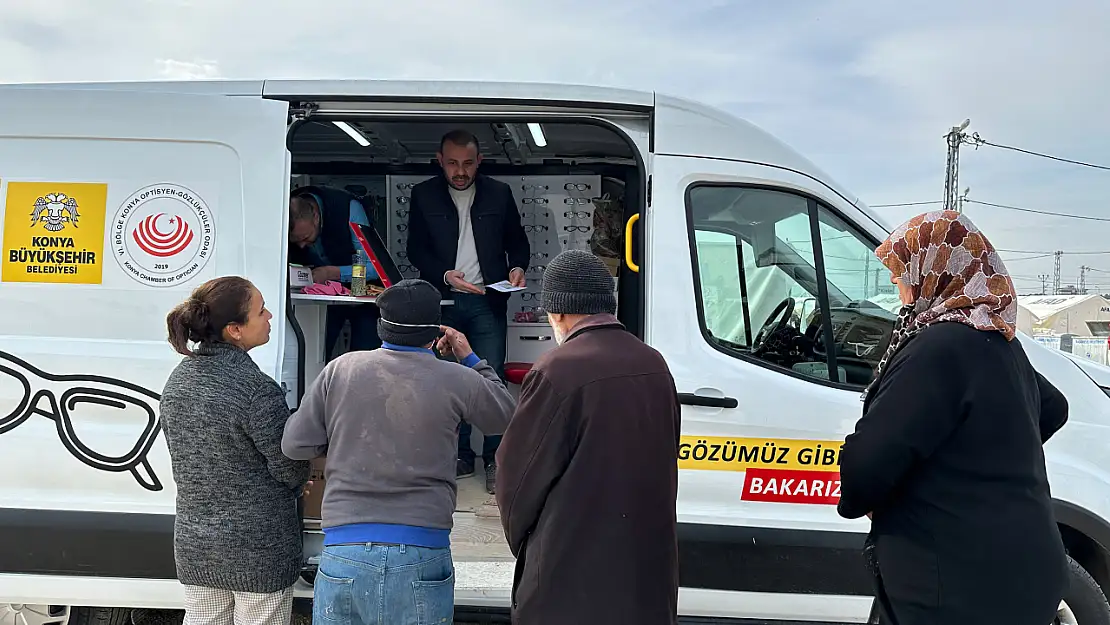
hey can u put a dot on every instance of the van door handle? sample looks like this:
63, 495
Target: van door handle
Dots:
690, 399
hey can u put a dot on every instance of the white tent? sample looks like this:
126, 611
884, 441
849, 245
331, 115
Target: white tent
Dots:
1025, 319
1081, 315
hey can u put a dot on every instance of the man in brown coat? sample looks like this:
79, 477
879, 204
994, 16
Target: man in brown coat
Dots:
588, 467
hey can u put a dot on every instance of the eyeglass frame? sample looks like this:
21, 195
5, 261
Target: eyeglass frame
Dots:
134, 460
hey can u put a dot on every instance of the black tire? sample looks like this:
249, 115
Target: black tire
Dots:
1085, 598
100, 616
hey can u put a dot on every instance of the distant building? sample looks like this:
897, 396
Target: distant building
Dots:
1081, 315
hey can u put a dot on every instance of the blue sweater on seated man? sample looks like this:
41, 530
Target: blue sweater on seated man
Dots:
387, 421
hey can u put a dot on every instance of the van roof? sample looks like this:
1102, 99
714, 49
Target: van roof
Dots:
704, 130
381, 89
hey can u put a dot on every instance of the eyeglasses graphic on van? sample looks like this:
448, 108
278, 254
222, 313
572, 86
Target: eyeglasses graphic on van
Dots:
534, 200
580, 186
575, 200
83, 408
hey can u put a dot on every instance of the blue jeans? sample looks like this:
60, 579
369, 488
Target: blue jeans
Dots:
485, 328
378, 584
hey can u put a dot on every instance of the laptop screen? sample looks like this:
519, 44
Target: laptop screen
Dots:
378, 254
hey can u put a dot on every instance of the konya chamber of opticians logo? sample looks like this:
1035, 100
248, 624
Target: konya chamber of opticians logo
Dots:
163, 235
54, 232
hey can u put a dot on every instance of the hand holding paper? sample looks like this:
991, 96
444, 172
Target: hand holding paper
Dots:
505, 287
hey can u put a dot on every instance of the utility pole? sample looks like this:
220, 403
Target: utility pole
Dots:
955, 137
1056, 273
1083, 279
1044, 283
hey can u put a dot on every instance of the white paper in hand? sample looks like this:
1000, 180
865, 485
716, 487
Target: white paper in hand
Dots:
505, 287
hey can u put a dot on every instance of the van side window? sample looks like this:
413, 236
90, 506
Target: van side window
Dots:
765, 285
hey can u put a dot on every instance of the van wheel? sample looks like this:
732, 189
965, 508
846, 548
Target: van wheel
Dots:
100, 616
33, 614
1085, 603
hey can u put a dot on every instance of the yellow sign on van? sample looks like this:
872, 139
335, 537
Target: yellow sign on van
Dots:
722, 453
54, 232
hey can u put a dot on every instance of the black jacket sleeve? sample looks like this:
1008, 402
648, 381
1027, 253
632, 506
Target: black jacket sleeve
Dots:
918, 403
514, 238
1054, 408
420, 247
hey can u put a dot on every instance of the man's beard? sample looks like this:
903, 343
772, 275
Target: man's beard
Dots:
559, 336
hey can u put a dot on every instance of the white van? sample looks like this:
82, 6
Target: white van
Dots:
118, 199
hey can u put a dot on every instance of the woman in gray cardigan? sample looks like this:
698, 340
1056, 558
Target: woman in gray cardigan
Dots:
237, 538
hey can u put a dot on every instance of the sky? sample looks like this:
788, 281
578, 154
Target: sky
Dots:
866, 90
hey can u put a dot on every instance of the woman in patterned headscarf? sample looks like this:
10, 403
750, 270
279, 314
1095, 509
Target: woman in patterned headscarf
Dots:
947, 457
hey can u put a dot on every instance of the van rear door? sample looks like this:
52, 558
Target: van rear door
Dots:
116, 204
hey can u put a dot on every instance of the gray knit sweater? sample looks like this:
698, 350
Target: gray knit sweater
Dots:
237, 525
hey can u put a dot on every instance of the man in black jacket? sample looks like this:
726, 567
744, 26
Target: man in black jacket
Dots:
465, 234
320, 237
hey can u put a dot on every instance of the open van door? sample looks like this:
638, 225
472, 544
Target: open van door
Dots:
116, 204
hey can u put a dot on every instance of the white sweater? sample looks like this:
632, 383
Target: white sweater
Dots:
466, 259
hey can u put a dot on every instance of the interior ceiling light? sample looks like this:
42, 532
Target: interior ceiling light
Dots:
537, 135
353, 133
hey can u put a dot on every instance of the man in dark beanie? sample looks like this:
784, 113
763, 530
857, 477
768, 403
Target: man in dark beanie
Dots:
588, 476
387, 421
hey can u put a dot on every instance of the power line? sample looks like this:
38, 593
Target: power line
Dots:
1039, 212
907, 204
977, 140
1002, 206
1027, 257
1049, 252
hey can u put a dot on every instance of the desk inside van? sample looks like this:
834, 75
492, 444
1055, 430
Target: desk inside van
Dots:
311, 312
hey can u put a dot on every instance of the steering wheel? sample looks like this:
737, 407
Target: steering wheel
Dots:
773, 324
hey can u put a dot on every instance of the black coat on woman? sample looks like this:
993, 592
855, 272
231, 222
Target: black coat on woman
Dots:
948, 456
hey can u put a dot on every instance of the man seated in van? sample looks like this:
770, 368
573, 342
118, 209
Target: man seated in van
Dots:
320, 237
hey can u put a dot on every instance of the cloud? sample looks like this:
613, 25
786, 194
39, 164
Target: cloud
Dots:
864, 89
171, 69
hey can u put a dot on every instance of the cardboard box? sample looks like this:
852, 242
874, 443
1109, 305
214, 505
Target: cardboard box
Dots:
315, 497
299, 277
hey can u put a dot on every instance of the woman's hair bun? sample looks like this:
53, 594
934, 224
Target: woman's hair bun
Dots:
197, 318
